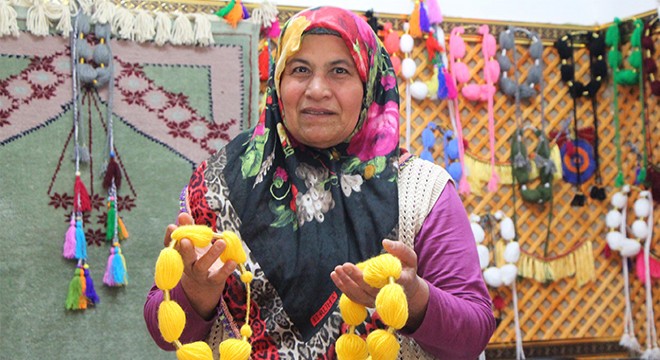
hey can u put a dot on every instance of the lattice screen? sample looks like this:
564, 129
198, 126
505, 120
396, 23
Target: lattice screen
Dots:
560, 310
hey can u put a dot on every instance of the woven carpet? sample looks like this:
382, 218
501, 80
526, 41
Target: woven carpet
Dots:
172, 107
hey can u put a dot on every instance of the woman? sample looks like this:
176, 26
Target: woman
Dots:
314, 189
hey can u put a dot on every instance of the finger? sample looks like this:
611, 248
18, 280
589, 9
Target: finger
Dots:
185, 219
205, 261
168, 234
188, 254
402, 252
220, 276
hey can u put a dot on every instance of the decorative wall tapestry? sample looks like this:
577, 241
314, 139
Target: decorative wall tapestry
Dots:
172, 108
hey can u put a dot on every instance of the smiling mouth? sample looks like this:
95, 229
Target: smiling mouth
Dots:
317, 112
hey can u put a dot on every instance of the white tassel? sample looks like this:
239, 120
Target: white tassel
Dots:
651, 354
37, 22
145, 26
64, 26
104, 12
85, 6
8, 22
482, 356
520, 353
163, 28
265, 14
203, 33
652, 351
122, 23
182, 31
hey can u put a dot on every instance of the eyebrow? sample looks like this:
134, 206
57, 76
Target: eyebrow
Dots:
332, 63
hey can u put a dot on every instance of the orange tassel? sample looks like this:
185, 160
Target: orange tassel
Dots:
235, 15
122, 233
415, 30
82, 300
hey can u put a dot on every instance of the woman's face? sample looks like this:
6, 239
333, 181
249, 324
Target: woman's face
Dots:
321, 92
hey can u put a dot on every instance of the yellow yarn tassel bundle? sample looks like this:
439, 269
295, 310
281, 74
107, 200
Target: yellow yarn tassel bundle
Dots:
172, 318
391, 304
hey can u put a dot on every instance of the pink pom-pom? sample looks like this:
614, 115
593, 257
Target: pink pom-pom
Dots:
274, 30
494, 182
396, 64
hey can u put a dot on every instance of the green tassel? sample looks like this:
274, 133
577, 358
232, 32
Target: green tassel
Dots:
626, 77
614, 58
636, 37
225, 10
110, 223
641, 176
635, 59
619, 180
75, 291
613, 35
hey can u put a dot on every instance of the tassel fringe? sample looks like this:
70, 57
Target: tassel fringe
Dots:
578, 263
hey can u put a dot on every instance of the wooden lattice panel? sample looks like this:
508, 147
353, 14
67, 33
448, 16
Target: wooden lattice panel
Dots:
560, 310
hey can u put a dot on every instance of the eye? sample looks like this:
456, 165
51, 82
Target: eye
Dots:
299, 70
341, 70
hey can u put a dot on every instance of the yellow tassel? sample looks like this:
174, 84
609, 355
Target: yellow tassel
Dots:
235, 15
578, 263
198, 350
123, 233
352, 313
200, 235
383, 345
392, 305
169, 269
171, 320
379, 269
234, 250
415, 30
235, 349
351, 347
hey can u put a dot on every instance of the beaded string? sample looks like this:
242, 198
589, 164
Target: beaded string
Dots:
171, 317
380, 272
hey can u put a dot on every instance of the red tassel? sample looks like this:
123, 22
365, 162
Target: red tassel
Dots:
264, 60
113, 172
81, 201
433, 47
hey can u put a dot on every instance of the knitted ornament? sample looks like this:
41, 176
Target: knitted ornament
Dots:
650, 68
380, 272
512, 87
171, 317
577, 89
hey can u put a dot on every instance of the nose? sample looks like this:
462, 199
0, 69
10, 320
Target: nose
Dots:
317, 87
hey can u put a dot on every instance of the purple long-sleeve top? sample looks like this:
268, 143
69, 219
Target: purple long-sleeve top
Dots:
458, 322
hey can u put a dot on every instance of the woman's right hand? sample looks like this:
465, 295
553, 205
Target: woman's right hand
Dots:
204, 275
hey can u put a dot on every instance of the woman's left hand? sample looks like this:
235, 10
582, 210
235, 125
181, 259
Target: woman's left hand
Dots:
348, 279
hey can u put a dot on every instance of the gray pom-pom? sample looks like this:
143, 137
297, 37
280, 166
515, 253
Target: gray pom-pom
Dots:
83, 153
83, 23
536, 49
86, 73
527, 92
83, 50
103, 76
508, 86
504, 61
102, 31
506, 40
534, 74
102, 54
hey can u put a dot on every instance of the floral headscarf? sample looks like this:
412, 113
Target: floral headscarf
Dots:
301, 211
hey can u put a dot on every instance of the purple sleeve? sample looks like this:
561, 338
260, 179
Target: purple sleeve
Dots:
459, 321
196, 327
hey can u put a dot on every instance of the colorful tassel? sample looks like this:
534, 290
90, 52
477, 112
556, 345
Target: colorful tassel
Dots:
90, 291
264, 62
122, 233
274, 30
433, 48
112, 173
222, 12
235, 14
424, 24
110, 221
433, 11
81, 241
108, 279
82, 299
75, 290
415, 31
119, 267
81, 200
69, 248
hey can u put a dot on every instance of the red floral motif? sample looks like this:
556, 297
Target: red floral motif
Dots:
179, 129
125, 203
63, 200
95, 236
98, 202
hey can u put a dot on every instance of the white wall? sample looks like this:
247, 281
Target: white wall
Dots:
577, 12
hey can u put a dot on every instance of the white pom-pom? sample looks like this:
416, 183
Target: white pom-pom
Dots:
507, 230
475, 218
406, 27
484, 256
642, 207
626, 189
613, 219
419, 90
408, 68
614, 239
509, 273
639, 229
478, 232
619, 200
499, 214
493, 277
406, 43
630, 248
512, 252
